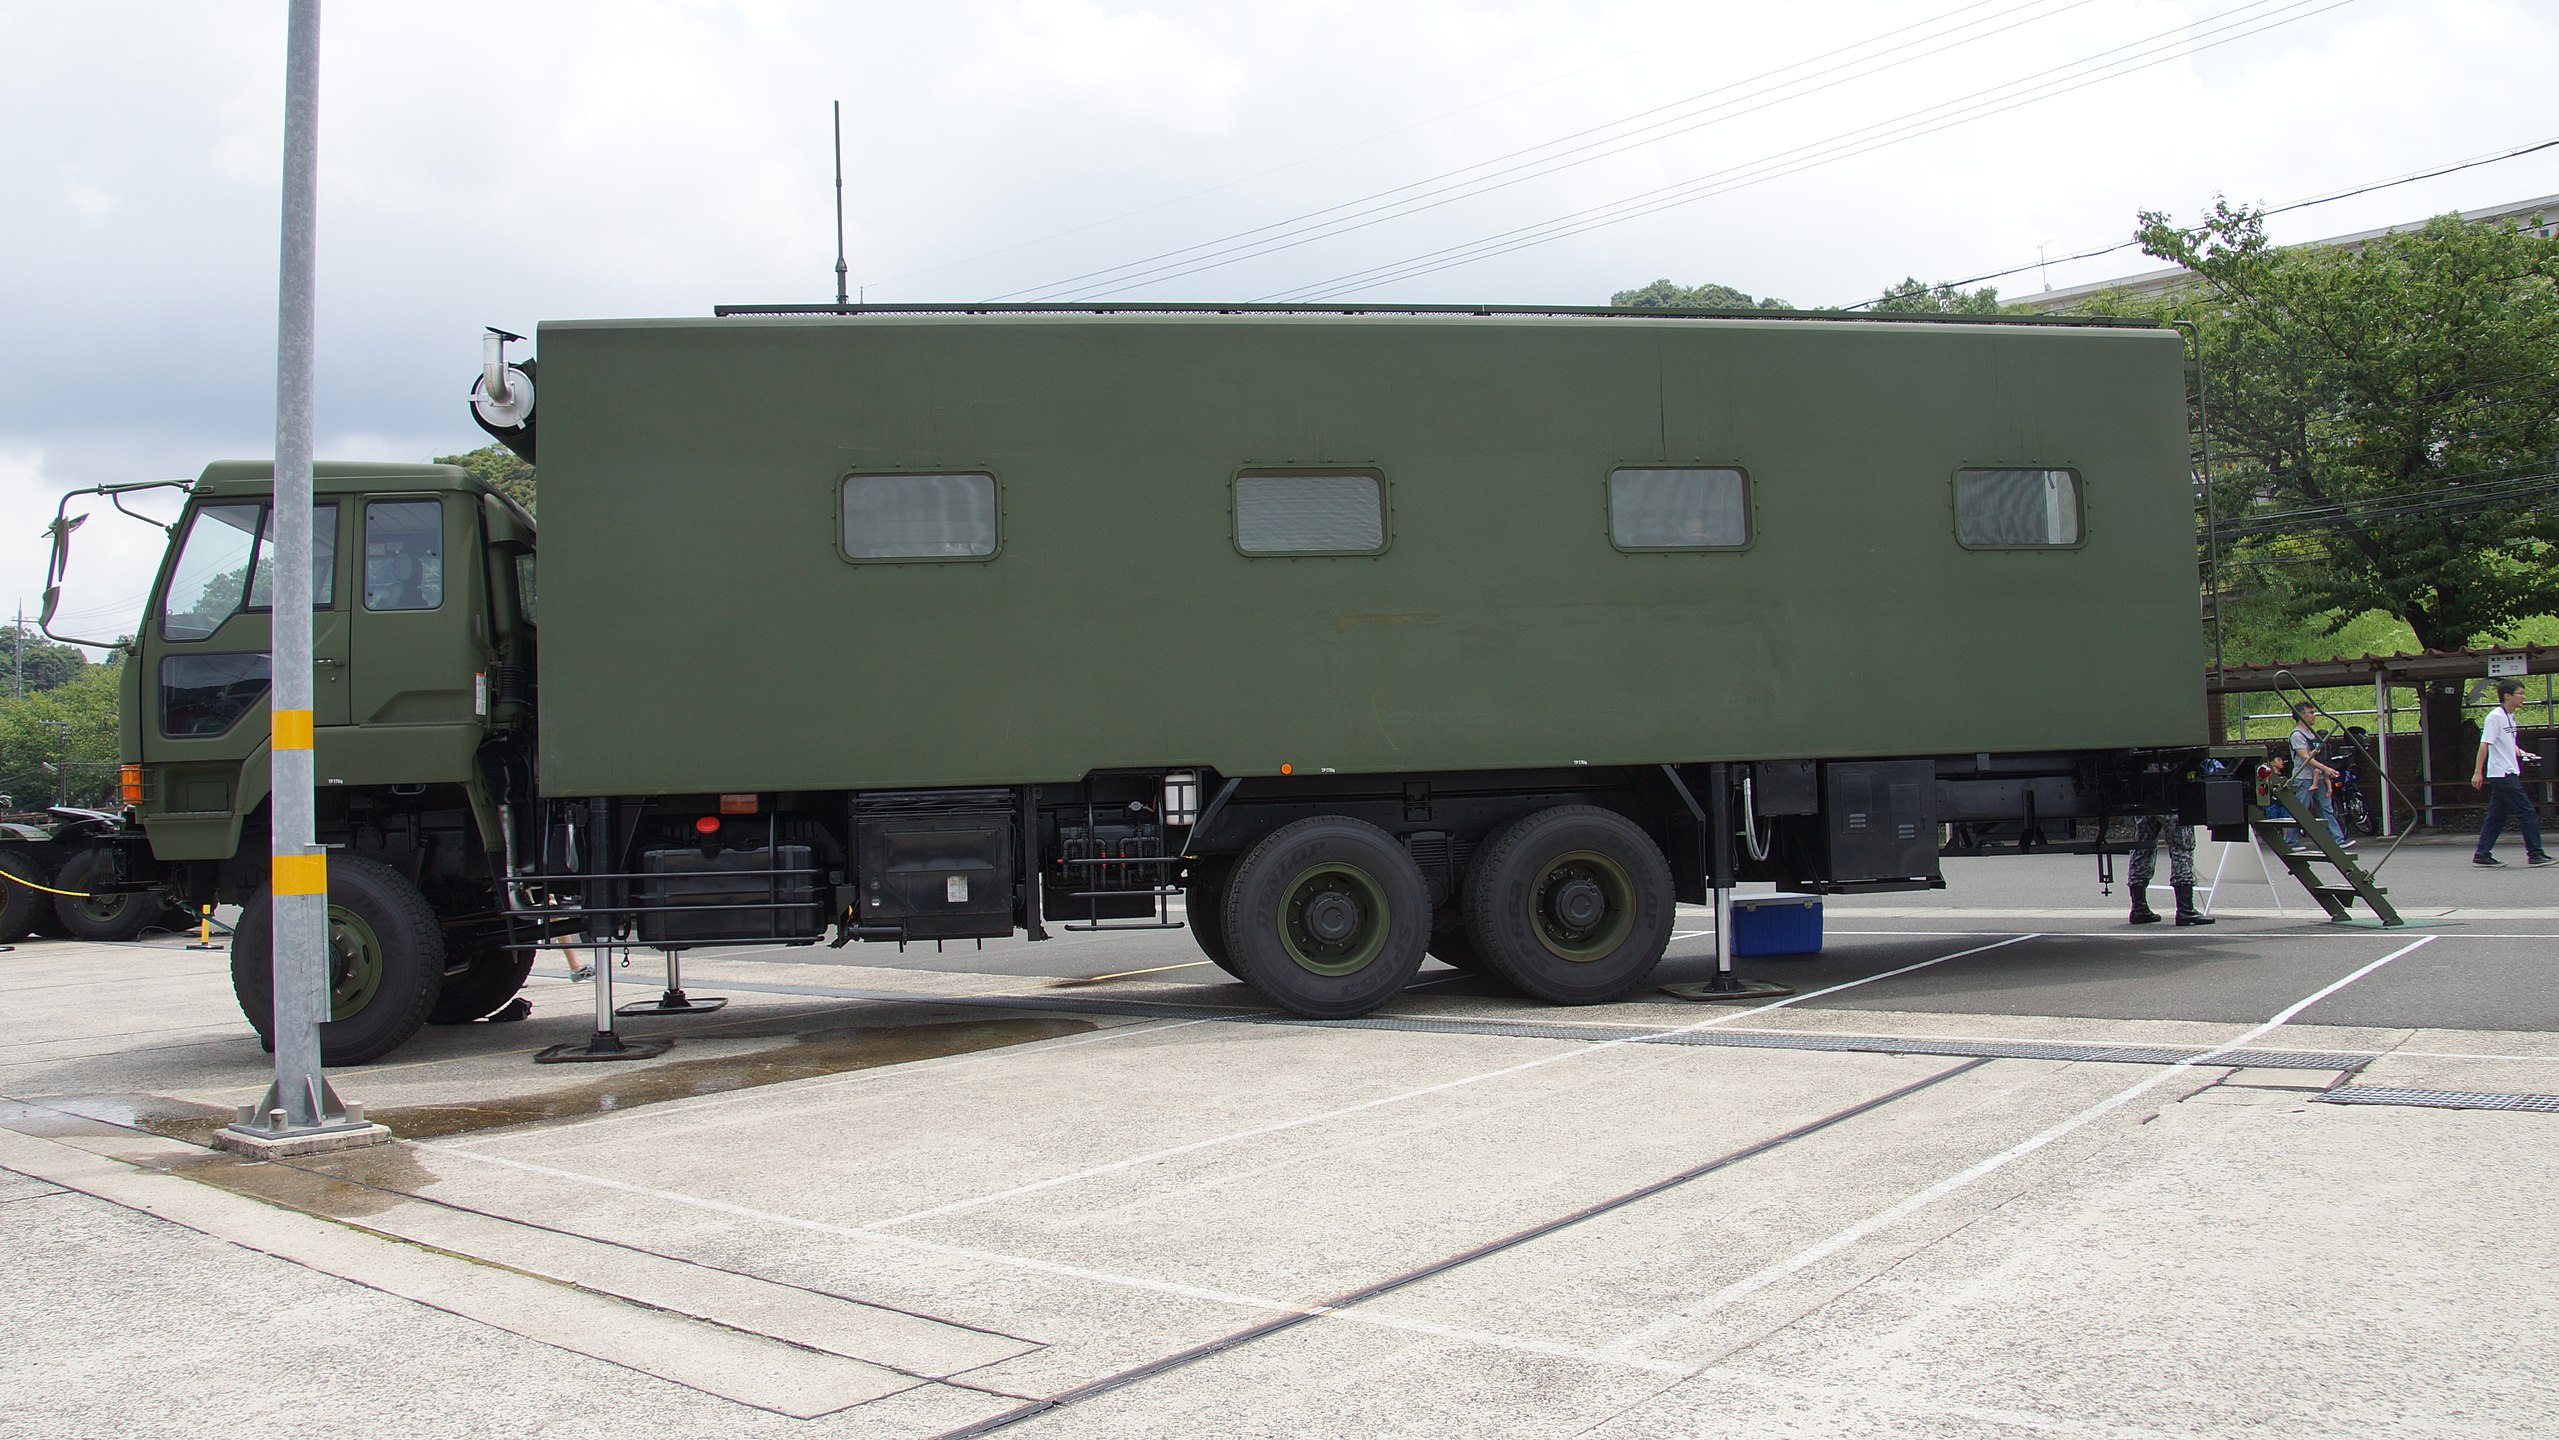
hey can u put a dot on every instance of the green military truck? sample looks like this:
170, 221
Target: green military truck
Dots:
1480, 634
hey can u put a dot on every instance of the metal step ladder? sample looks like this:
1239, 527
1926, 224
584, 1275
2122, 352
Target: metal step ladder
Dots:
2336, 896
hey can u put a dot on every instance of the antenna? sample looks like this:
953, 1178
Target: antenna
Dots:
839, 202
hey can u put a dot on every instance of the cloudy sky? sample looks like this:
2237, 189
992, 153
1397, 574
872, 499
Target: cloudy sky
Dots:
506, 163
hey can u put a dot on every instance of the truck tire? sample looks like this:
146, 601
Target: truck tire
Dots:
1204, 910
1450, 944
1571, 905
1328, 917
386, 962
484, 989
101, 917
19, 903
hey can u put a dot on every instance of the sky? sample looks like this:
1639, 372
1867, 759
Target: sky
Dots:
488, 163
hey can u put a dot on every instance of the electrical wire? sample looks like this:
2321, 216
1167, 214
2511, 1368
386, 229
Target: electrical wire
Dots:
2182, 42
1312, 225
2329, 199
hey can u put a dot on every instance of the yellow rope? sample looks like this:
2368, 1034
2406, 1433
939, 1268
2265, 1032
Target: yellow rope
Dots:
49, 890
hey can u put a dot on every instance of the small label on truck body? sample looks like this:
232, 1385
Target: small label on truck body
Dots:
956, 889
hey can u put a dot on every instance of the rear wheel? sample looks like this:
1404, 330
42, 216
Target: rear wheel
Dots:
1204, 910
385, 959
495, 975
102, 916
1571, 905
1450, 944
20, 901
1328, 916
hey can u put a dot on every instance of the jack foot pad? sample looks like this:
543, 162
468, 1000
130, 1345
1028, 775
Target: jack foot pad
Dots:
605, 1046
673, 1002
1729, 989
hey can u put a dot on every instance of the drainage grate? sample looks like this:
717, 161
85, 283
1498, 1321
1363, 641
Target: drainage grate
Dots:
1637, 1034
2439, 1099
1854, 1044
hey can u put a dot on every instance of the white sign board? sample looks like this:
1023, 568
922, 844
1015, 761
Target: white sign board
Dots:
2501, 665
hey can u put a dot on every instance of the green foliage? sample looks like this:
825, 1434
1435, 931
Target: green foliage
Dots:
505, 471
2382, 422
1663, 295
71, 727
46, 664
1913, 297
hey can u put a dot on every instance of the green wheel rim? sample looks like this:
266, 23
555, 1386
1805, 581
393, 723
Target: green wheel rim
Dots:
355, 963
104, 909
1333, 919
1570, 881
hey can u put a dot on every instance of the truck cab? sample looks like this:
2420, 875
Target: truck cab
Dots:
422, 646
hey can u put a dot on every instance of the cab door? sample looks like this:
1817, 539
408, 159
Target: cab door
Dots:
419, 655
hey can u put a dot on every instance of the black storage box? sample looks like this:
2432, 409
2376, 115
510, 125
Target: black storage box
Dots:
938, 877
729, 895
1881, 820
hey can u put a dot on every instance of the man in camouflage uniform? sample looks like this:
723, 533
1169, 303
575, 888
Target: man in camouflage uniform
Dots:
2147, 833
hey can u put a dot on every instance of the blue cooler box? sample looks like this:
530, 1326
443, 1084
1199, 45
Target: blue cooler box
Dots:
1777, 925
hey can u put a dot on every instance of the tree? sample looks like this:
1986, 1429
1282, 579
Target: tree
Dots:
1912, 296
1663, 295
2384, 416
505, 471
42, 664
61, 741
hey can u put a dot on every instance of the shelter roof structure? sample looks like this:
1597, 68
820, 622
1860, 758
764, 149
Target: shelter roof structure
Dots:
2539, 217
2469, 663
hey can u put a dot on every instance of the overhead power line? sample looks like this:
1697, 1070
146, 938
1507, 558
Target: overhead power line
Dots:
1689, 109
2238, 23
2328, 199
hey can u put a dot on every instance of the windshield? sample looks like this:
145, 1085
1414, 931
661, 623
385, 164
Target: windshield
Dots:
212, 578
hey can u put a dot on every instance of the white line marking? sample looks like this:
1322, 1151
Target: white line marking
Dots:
1814, 1255
1278, 1126
1072, 1272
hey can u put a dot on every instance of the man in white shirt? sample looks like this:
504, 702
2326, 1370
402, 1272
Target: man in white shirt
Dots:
2499, 772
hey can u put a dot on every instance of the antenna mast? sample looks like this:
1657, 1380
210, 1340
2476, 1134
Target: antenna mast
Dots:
839, 202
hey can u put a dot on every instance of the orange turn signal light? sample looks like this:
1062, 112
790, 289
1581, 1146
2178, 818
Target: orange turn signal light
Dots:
131, 776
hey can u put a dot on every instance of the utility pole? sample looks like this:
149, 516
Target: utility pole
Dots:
300, 1114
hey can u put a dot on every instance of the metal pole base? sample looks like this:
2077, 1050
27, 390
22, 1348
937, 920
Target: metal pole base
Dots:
604, 1046
673, 1002
1728, 986
265, 1131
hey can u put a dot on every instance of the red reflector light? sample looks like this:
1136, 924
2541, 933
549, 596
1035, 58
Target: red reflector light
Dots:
737, 804
707, 825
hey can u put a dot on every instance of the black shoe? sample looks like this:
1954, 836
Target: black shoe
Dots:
2486, 860
2144, 915
2187, 914
2537, 861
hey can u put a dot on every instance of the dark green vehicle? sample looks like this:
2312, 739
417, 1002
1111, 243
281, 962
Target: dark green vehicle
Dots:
1481, 634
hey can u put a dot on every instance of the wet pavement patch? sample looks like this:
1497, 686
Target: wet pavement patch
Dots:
820, 1053
65, 1116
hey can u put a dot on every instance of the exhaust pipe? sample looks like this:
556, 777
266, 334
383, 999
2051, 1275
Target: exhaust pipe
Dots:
502, 398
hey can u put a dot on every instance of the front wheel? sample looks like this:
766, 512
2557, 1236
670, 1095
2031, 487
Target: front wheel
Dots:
385, 959
1571, 905
2356, 811
1328, 917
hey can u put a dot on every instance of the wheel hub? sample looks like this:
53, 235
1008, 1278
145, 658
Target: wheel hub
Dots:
1332, 918
1579, 903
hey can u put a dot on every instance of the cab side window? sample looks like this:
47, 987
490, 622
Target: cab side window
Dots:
403, 555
